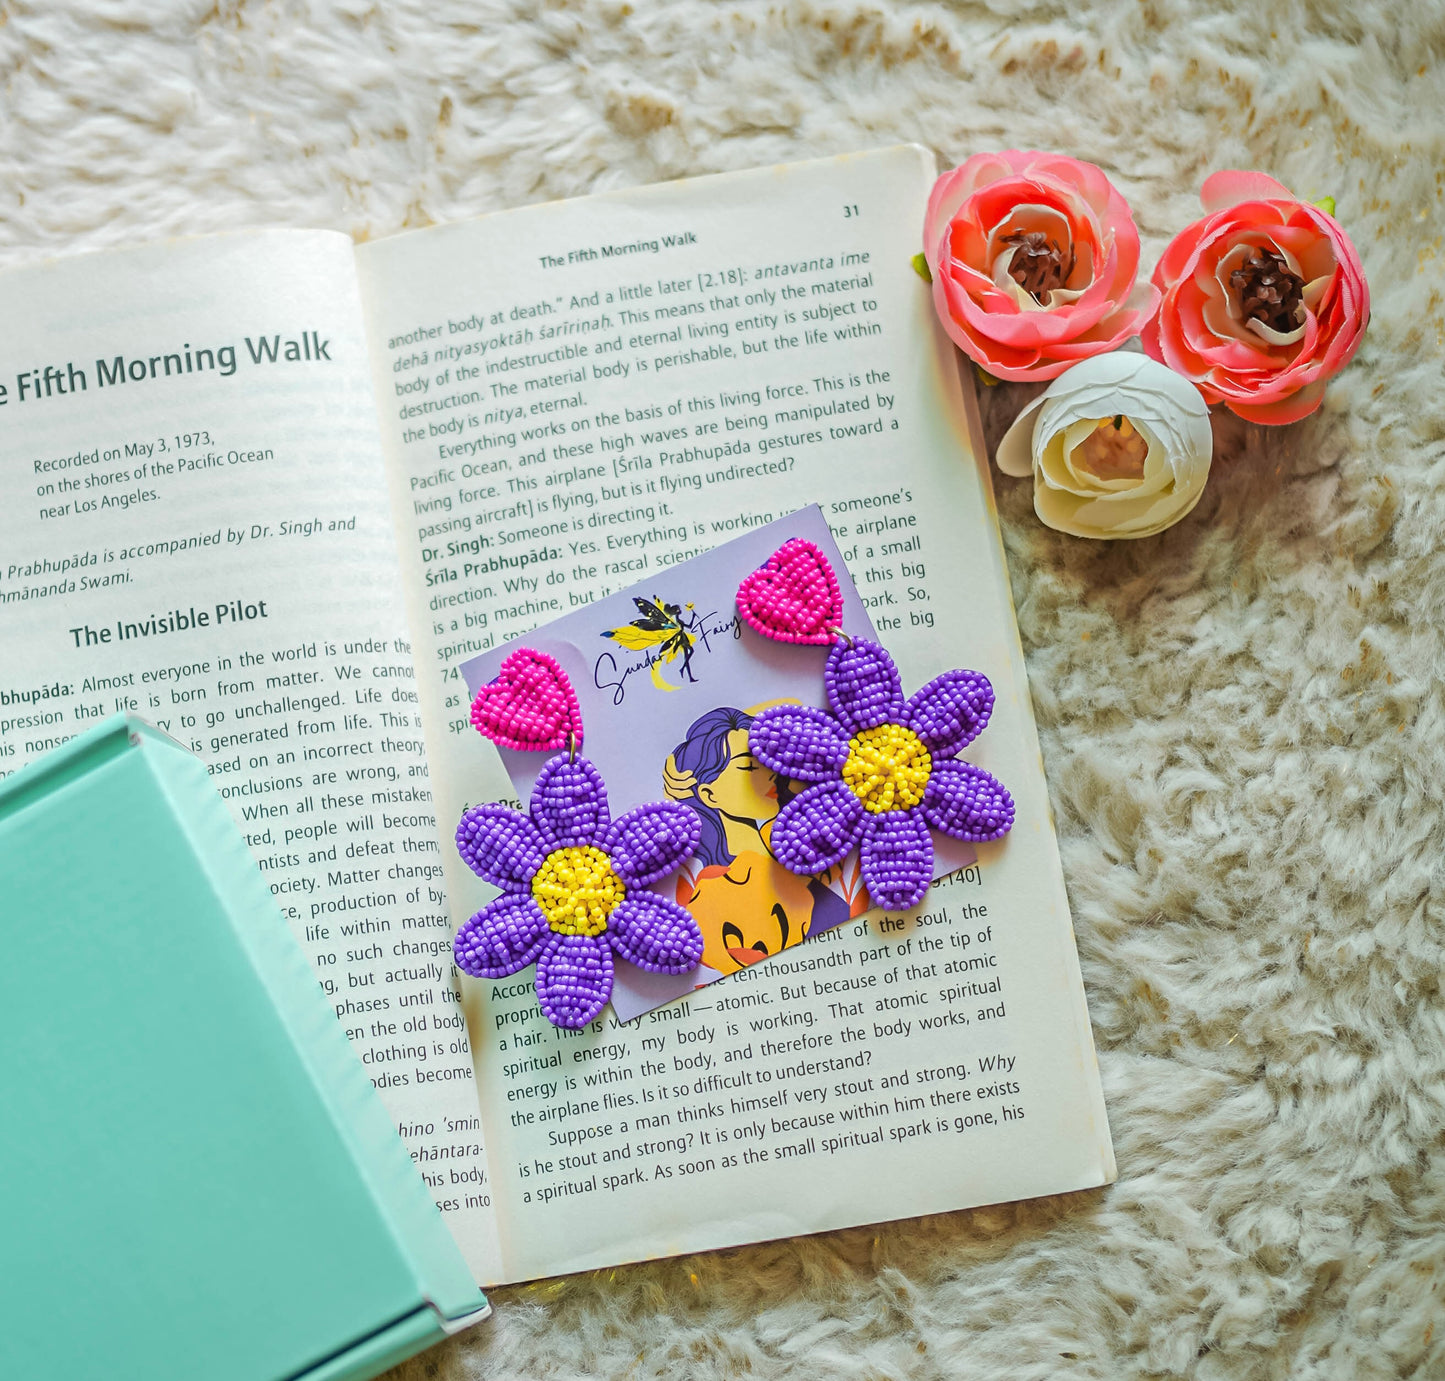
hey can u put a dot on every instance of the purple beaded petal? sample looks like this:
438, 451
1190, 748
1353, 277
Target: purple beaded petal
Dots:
799, 741
813, 831
655, 934
505, 935
896, 860
651, 841
500, 846
950, 711
569, 803
967, 802
574, 979
863, 686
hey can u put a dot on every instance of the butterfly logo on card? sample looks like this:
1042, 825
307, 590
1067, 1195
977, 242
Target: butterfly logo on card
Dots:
664, 639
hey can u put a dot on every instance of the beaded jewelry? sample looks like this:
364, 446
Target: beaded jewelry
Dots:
883, 770
574, 881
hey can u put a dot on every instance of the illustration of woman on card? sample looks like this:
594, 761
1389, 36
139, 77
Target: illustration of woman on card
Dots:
746, 904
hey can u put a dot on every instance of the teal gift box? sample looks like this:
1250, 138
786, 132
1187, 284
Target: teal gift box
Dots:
197, 1178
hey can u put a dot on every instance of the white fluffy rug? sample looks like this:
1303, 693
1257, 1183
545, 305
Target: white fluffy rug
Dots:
1243, 719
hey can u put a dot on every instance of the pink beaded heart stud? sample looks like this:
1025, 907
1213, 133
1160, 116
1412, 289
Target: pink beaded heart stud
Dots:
882, 771
574, 881
793, 597
530, 707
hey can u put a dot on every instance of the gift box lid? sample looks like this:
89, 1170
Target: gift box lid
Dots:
196, 1176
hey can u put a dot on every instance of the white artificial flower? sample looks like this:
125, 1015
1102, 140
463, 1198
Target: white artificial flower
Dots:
1118, 445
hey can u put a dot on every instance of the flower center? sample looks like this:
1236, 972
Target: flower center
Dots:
577, 890
887, 768
1113, 450
1268, 291
1038, 265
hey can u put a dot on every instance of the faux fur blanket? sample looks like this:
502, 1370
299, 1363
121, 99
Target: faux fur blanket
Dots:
1243, 718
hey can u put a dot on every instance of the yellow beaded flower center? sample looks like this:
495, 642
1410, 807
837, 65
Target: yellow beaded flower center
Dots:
577, 890
887, 768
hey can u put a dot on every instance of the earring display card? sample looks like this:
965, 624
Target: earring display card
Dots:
669, 680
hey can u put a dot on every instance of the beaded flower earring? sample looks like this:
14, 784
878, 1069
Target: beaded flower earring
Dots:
574, 881
883, 769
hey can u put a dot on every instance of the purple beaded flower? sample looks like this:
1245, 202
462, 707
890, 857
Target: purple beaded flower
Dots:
885, 772
574, 889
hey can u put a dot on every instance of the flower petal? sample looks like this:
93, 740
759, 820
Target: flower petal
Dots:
651, 841
966, 802
1281, 410
505, 935
1037, 329
950, 711
897, 859
813, 831
655, 934
863, 686
950, 284
1014, 454
500, 846
574, 979
569, 803
800, 741
1085, 180
1230, 186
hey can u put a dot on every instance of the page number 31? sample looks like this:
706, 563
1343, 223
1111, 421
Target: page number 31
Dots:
849, 212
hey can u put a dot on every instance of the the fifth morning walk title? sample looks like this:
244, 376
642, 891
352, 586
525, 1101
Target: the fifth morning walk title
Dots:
59, 381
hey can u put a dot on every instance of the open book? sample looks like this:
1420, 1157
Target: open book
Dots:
271, 490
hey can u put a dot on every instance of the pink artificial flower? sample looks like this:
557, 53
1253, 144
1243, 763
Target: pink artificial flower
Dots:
1264, 300
1033, 258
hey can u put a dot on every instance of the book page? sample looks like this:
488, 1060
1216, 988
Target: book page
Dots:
194, 526
579, 395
